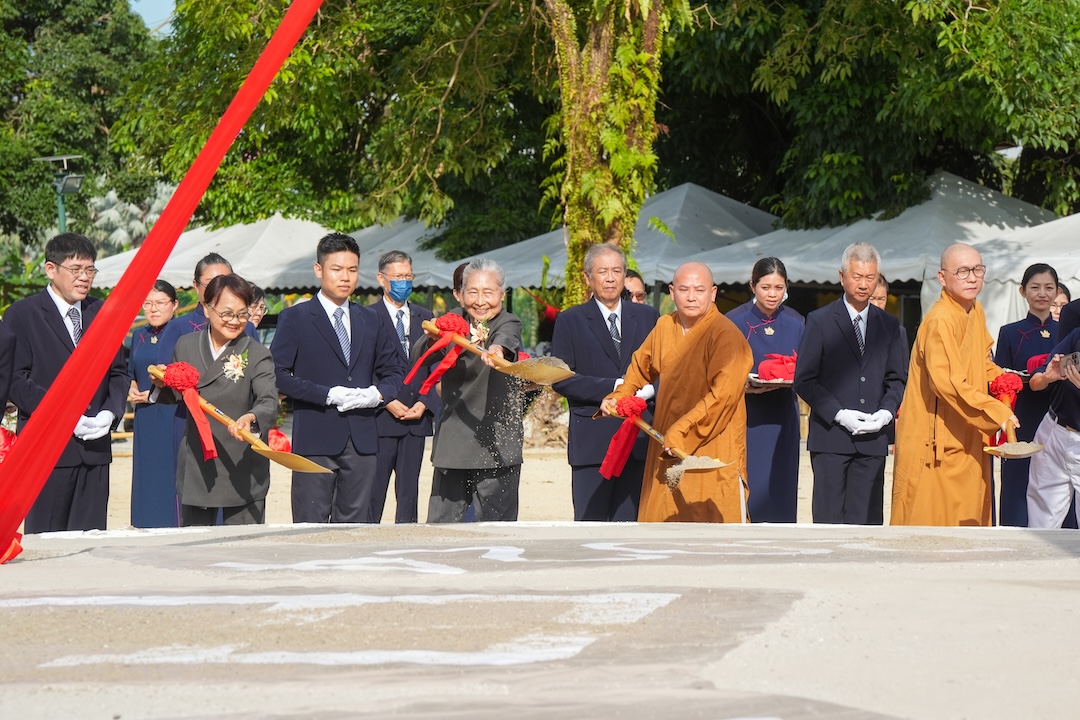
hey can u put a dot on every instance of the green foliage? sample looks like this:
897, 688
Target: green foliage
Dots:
20, 275
63, 66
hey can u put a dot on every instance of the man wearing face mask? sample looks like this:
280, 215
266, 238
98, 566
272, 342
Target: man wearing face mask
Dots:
406, 420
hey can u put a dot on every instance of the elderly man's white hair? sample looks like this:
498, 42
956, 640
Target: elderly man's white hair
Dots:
862, 252
599, 249
484, 265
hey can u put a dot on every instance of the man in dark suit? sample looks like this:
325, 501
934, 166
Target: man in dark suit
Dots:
596, 339
7, 362
47, 327
339, 364
1069, 319
850, 371
406, 420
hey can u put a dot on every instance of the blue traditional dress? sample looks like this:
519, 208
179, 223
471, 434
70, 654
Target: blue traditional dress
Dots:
772, 418
153, 478
1017, 343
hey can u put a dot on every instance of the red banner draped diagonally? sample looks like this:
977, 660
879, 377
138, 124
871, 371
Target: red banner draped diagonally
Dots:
24, 472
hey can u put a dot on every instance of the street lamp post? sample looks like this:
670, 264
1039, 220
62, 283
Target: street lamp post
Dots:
64, 183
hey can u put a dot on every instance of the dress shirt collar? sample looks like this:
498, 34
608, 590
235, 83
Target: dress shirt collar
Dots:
852, 312
605, 312
62, 305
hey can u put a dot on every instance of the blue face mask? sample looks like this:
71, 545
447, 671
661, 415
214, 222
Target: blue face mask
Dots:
400, 290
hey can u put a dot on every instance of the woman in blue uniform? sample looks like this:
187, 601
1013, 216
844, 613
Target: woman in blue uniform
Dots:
1018, 342
772, 415
153, 476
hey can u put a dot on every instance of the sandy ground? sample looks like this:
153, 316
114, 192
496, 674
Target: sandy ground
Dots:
545, 488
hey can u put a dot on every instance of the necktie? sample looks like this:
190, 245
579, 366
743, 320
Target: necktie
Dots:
76, 323
339, 328
614, 330
859, 335
401, 332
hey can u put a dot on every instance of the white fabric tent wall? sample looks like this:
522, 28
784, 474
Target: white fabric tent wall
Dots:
700, 220
1056, 243
275, 253
958, 211
406, 236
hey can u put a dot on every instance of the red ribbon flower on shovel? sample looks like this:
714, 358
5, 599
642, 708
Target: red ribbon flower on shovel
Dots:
622, 442
449, 325
1004, 388
184, 379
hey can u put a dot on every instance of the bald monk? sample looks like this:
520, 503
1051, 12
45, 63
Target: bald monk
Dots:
941, 474
701, 360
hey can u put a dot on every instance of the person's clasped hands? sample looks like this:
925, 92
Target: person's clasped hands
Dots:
92, 428
347, 399
874, 423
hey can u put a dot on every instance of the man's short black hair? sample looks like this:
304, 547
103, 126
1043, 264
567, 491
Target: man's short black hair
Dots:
68, 246
335, 243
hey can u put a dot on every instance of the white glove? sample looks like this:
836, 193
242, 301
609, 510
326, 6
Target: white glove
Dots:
877, 421
361, 398
338, 394
99, 425
851, 420
83, 427
646, 393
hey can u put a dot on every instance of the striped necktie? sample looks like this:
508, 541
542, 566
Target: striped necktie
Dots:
76, 323
339, 328
614, 330
401, 332
859, 335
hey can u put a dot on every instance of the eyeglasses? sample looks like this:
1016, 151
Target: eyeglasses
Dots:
77, 272
229, 316
962, 273
638, 296
409, 276
1057, 306
157, 304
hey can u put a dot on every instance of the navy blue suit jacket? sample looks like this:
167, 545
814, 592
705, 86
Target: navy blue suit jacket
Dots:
308, 362
42, 347
831, 375
7, 362
582, 340
390, 426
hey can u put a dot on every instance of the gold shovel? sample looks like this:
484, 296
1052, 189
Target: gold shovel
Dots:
542, 371
292, 461
687, 463
1013, 449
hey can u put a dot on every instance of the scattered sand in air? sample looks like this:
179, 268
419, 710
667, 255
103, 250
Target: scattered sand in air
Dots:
552, 361
692, 462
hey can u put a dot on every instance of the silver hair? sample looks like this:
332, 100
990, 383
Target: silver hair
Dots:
862, 252
599, 249
392, 256
484, 265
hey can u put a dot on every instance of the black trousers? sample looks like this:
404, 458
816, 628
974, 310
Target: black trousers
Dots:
345, 496
495, 490
848, 489
73, 498
614, 500
251, 514
401, 456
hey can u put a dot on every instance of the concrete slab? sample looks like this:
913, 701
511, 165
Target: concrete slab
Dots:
532, 620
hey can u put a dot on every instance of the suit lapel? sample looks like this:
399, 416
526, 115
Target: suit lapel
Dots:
54, 321
847, 327
599, 327
322, 324
359, 328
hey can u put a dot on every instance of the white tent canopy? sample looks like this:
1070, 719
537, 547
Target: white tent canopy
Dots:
1056, 243
910, 244
406, 236
700, 220
276, 253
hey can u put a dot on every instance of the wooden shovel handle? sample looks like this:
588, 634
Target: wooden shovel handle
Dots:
1010, 431
651, 432
458, 340
213, 411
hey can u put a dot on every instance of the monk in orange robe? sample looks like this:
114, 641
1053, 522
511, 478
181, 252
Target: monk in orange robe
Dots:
701, 361
941, 475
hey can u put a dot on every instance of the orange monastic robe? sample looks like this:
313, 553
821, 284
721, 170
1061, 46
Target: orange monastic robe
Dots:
941, 475
699, 410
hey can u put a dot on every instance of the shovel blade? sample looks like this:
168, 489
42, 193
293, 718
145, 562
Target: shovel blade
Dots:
299, 463
1014, 450
536, 370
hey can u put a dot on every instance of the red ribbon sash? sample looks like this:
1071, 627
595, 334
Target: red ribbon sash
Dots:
622, 442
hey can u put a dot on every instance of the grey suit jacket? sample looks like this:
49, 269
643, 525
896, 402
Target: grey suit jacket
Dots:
480, 423
239, 475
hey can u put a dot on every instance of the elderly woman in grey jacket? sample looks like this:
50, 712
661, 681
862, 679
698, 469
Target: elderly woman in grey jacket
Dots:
477, 447
236, 373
